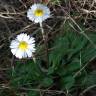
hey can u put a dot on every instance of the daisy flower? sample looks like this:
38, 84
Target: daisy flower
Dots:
38, 13
23, 46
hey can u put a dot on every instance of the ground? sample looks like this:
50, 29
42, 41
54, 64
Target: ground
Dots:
71, 40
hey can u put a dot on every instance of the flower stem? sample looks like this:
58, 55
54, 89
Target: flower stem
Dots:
45, 43
42, 30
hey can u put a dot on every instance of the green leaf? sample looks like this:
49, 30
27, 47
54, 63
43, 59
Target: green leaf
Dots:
25, 73
90, 79
33, 93
60, 50
88, 53
74, 65
67, 82
50, 70
46, 82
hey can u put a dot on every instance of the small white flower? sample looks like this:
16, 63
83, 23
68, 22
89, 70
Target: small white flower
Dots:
23, 46
38, 13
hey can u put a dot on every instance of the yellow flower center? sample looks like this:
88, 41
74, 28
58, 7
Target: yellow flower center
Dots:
23, 45
38, 12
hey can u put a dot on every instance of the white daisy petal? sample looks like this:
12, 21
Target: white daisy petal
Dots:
31, 40
23, 47
29, 53
32, 47
25, 55
14, 51
20, 37
26, 38
19, 54
14, 43
38, 13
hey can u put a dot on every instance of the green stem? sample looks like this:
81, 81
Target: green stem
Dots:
45, 43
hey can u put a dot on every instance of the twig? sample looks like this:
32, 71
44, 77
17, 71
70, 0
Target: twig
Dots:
38, 90
6, 17
87, 89
76, 74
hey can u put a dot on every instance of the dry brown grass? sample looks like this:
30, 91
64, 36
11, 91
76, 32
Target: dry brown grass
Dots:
13, 21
